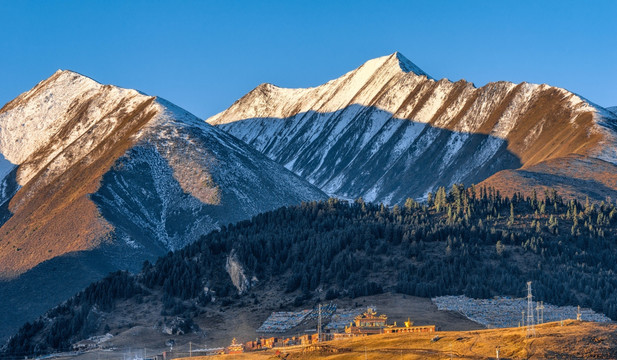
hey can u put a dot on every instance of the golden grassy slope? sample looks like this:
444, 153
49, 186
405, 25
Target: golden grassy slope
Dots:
575, 340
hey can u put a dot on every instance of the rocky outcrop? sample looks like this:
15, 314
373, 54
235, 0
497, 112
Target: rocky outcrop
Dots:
236, 273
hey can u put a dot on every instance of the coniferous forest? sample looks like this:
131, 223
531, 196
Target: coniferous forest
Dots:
470, 241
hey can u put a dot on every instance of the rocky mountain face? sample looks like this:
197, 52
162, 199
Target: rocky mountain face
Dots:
97, 178
387, 131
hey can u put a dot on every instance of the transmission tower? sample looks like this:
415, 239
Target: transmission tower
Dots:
531, 330
541, 321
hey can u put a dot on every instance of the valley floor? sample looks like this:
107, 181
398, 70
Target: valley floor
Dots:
458, 337
220, 325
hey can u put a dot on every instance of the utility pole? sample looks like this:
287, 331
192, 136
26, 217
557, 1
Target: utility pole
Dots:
531, 331
523, 318
538, 313
319, 325
578, 313
497, 352
190, 349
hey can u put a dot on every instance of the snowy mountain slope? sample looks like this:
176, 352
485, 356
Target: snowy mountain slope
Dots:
182, 179
612, 109
387, 131
119, 177
72, 137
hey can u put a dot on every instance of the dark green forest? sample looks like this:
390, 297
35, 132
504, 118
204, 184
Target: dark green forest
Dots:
468, 241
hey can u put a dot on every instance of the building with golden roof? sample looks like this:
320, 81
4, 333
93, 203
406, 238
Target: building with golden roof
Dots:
369, 323
235, 347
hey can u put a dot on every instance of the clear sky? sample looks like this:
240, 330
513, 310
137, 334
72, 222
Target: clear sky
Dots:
203, 55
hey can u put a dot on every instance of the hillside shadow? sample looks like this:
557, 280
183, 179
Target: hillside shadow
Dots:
366, 151
51, 282
8, 189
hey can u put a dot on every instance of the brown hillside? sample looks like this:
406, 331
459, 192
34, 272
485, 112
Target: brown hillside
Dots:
53, 214
573, 176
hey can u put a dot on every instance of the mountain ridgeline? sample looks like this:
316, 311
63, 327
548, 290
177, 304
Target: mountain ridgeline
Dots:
387, 131
470, 241
97, 178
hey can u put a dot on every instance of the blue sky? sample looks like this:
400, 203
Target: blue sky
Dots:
204, 55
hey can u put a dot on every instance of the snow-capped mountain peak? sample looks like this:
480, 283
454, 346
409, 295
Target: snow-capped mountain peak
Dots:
387, 131
408, 66
55, 113
358, 86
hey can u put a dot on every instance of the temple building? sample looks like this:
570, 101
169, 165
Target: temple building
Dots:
235, 347
367, 323
370, 323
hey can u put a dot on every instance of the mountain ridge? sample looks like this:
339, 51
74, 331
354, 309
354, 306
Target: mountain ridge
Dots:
379, 108
108, 177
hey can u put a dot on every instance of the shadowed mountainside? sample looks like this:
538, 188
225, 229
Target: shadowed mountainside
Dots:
53, 281
377, 156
